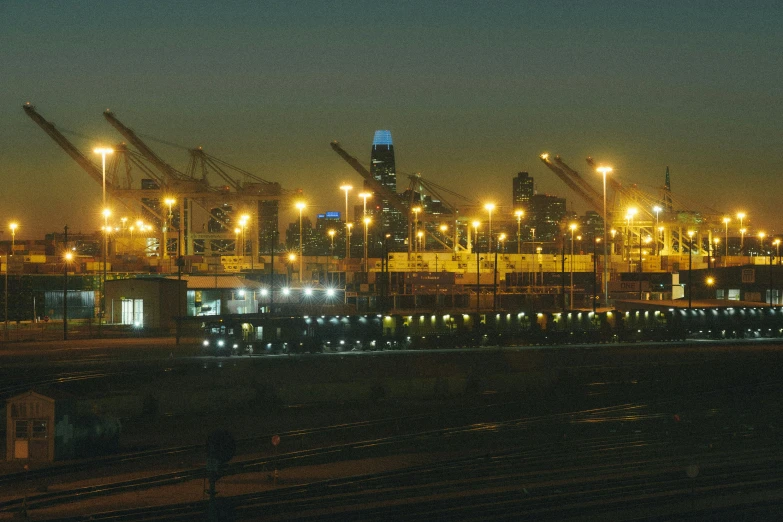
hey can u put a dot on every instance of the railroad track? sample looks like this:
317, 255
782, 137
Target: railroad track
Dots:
359, 449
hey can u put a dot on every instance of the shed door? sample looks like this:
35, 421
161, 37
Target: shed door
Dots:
31, 439
133, 312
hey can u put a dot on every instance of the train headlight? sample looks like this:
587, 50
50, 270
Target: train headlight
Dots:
205, 343
221, 342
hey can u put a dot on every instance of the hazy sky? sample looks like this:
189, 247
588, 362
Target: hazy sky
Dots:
473, 92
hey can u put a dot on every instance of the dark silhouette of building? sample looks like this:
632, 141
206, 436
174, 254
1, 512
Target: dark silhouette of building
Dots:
544, 214
523, 190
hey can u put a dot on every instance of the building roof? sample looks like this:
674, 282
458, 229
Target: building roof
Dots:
222, 282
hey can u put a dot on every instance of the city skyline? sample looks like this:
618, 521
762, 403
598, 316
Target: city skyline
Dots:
472, 96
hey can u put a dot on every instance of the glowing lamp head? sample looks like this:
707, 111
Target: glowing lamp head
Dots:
741, 215
489, 207
291, 256
657, 209
476, 224
604, 170
106, 212
346, 188
572, 226
367, 221
519, 213
103, 150
300, 205
332, 232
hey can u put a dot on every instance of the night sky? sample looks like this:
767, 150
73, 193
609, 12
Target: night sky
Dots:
473, 92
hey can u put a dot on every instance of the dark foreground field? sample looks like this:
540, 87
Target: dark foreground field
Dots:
604, 432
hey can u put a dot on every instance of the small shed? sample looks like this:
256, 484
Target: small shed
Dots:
39, 427
145, 302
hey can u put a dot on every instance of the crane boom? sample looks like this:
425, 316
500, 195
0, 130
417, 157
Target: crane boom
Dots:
93, 170
594, 203
587, 187
175, 179
372, 183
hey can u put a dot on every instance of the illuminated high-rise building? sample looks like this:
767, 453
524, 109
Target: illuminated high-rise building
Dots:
387, 219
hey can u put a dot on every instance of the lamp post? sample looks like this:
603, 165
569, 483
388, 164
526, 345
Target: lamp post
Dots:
67, 258
489, 207
103, 151
573, 228
690, 267
741, 216
347, 188
349, 226
106, 229
419, 239
366, 227
596, 240
415, 237
726, 222
742, 239
169, 203
13, 227
657, 209
519, 214
604, 171
300, 205
243, 219
237, 244
716, 241
478, 267
777, 249
762, 235
331, 233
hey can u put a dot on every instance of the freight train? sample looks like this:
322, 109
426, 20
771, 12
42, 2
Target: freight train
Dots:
257, 334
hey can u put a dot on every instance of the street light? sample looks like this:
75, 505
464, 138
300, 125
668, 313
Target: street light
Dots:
347, 188
169, 202
657, 210
243, 219
331, 233
106, 214
762, 235
726, 221
741, 216
364, 196
300, 205
777, 249
415, 211
519, 214
476, 224
67, 258
489, 207
573, 228
604, 170
349, 226
501, 245
13, 227
690, 267
103, 151
419, 238
367, 221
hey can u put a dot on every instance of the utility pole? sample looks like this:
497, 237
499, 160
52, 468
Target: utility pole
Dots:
65, 287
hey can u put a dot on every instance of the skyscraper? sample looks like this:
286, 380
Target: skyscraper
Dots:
544, 214
523, 190
387, 219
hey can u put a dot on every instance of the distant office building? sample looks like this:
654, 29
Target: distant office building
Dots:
292, 236
592, 224
267, 225
523, 190
544, 214
320, 242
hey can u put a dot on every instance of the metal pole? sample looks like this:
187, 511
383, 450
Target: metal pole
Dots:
478, 284
571, 264
595, 270
301, 257
606, 278
495, 283
179, 281
5, 333
690, 266
65, 288
640, 263
562, 273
